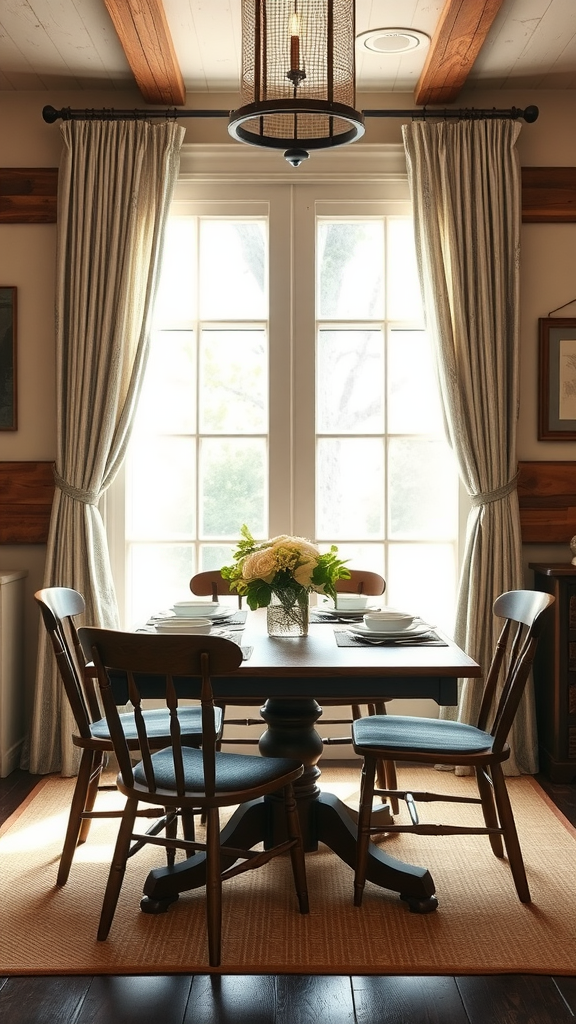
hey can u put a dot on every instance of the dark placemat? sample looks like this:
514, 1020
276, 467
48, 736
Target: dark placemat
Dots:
346, 639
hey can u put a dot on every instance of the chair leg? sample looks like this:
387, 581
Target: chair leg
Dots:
188, 824
510, 834
364, 817
297, 851
489, 811
386, 771
88, 762
213, 887
97, 766
171, 833
117, 868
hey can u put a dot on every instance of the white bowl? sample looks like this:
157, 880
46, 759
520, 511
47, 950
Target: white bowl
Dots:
388, 621
351, 602
194, 609
195, 625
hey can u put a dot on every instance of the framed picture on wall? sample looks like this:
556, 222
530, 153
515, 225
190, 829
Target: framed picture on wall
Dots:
8, 420
557, 379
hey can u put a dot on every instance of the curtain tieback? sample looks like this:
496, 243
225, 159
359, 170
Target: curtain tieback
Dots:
88, 497
489, 496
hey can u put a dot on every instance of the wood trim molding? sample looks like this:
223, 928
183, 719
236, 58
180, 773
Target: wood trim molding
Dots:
28, 195
548, 194
26, 495
547, 499
461, 30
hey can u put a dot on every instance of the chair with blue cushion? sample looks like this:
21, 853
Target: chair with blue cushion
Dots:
59, 607
180, 777
482, 747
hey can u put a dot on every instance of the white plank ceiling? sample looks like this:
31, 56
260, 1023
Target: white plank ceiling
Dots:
71, 44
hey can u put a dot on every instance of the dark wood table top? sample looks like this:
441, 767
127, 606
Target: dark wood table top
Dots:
315, 666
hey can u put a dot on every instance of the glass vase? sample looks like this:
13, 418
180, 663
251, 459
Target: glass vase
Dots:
287, 613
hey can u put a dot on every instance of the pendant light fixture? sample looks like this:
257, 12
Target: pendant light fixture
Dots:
298, 76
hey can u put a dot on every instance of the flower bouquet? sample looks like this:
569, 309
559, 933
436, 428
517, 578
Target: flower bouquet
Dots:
280, 574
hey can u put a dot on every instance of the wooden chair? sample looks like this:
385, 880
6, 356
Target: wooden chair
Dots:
371, 583
483, 747
184, 777
59, 607
211, 584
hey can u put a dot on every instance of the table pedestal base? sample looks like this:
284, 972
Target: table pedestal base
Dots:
324, 818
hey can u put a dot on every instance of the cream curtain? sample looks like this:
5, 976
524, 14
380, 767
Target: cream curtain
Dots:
465, 184
115, 184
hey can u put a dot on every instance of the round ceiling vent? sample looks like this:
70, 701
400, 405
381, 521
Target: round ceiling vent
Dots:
392, 40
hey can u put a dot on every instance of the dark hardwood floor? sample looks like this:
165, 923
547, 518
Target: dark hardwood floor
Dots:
285, 999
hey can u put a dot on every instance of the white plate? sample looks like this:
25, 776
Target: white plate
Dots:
186, 628
218, 613
418, 630
344, 613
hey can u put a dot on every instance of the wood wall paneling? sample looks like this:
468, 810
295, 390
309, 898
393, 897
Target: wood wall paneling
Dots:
547, 499
26, 493
28, 195
548, 194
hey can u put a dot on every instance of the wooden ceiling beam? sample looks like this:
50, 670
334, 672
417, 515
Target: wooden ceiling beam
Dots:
460, 33
142, 29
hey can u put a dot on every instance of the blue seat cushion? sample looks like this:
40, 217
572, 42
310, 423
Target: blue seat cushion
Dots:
403, 734
233, 771
158, 724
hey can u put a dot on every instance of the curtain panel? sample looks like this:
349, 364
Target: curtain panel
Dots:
466, 191
115, 185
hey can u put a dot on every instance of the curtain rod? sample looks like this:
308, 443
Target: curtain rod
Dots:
50, 114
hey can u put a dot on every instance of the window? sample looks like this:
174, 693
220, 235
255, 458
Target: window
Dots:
290, 386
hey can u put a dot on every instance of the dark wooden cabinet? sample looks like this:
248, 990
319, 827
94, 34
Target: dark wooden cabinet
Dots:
555, 674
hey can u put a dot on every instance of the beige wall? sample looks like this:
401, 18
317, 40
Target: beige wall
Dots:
27, 256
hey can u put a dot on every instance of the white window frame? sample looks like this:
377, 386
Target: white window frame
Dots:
241, 179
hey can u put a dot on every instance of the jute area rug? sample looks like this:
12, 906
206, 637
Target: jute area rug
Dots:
480, 926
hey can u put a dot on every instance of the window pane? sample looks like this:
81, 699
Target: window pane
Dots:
350, 269
422, 490
161, 489
233, 272
413, 400
168, 400
403, 289
369, 557
214, 556
423, 581
175, 304
233, 382
350, 488
233, 487
158, 575
350, 382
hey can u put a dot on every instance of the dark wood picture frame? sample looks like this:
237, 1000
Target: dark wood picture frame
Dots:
557, 379
8, 379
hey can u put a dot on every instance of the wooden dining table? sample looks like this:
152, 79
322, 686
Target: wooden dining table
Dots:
292, 676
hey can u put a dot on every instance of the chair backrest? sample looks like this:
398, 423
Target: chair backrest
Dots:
211, 584
59, 606
525, 613
180, 661
361, 582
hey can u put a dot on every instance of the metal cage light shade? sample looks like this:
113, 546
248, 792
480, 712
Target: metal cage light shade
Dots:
298, 76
